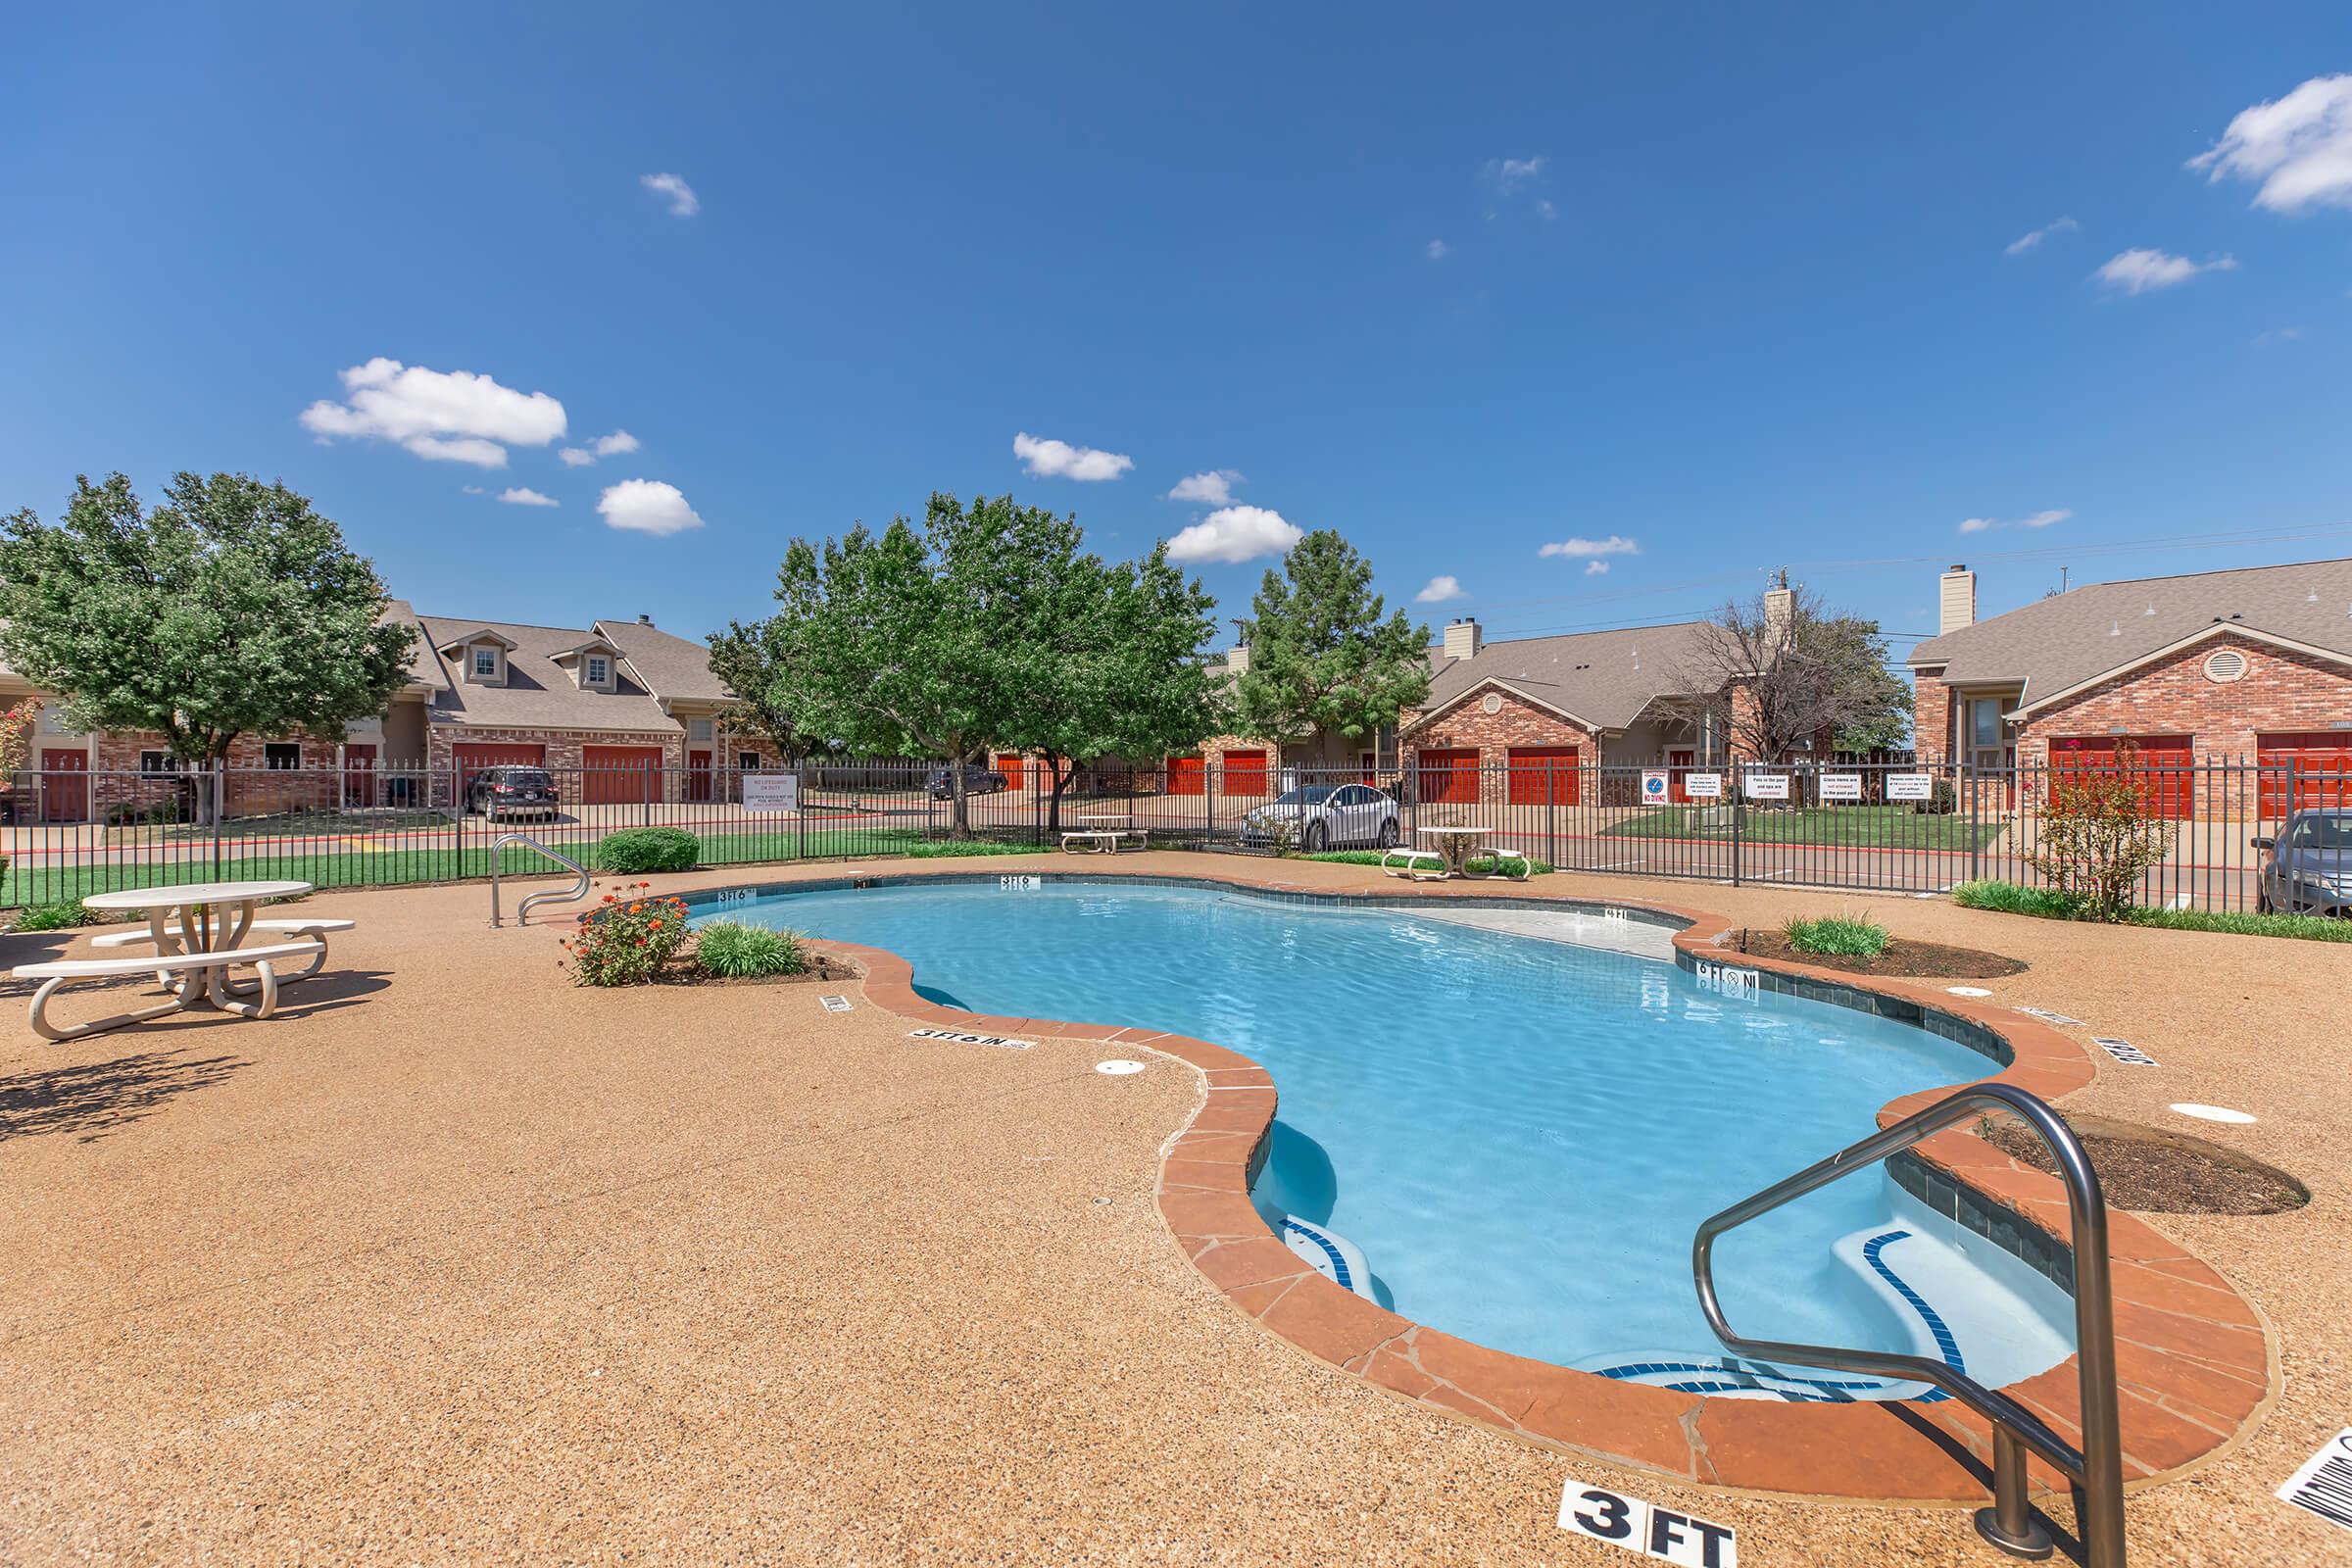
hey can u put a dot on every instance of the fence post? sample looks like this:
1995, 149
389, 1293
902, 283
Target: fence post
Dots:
220, 810
1976, 835
1739, 816
1208, 795
646, 809
800, 809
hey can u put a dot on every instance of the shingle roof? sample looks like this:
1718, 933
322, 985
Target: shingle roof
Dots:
2060, 642
673, 667
1606, 678
539, 693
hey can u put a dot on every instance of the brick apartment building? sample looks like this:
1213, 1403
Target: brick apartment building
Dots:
2252, 664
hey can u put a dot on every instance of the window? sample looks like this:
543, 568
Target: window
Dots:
699, 731
157, 762
599, 670
485, 663
282, 757
748, 762
1984, 721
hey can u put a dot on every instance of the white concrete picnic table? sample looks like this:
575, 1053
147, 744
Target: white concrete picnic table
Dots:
210, 916
1456, 845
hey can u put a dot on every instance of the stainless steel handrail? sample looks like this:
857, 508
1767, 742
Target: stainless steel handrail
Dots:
522, 911
2097, 1468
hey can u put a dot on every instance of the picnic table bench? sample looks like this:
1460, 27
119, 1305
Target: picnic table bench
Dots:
265, 960
1418, 865
1108, 837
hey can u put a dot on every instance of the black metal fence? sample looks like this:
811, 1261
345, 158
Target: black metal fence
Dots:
1891, 827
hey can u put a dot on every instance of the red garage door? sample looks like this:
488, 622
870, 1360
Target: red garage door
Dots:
1009, 764
1187, 775
472, 759
1448, 778
1246, 773
620, 775
2317, 767
2159, 764
1542, 775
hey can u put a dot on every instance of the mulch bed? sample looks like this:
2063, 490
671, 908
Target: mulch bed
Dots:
1927, 961
822, 969
2155, 1172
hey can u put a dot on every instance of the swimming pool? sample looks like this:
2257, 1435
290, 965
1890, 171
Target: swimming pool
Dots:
1518, 1134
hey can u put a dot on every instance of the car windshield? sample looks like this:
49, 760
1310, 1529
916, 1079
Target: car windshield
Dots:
1308, 795
2330, 832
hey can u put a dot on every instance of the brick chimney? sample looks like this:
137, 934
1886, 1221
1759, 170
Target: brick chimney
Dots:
1956, 599
1463, 638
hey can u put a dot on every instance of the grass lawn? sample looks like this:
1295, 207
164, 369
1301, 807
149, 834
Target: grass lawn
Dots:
337, 865
1863, 827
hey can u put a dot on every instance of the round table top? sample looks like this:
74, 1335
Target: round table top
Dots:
182, 895
1417, 830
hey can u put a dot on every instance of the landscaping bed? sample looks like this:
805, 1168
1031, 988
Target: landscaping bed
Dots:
2156, 1172
822, 968
1901, 957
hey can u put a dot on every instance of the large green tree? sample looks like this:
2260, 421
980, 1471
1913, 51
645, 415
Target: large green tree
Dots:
231, 609
1111, 661
1324, 655
749, 662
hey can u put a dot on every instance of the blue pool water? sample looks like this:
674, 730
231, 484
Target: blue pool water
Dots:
1520, 1134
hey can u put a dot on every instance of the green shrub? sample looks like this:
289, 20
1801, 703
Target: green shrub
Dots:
724, 948
626, 939
649, 848
2047, 904
1845, 935
58, 916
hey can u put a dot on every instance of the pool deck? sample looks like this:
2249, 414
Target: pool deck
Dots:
453, 1262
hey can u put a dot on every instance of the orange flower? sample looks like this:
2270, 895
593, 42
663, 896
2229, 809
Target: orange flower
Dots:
636, 908
609, 898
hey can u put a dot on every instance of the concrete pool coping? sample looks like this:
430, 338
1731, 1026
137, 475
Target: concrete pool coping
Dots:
2198, 1366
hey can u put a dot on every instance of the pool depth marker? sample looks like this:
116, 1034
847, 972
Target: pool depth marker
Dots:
1646, 1528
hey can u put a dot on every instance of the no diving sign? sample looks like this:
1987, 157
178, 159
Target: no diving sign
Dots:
1646, 1528
1653, 786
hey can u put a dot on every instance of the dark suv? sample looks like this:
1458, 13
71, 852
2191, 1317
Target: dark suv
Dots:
498, 793
976, 781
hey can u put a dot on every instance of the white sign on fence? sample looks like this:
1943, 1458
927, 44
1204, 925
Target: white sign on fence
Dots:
1764, 786
1653, 786
1704, 786
1910, 786
772, 792
1840, 786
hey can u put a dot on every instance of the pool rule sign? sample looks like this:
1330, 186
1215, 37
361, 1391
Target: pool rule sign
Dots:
1646, 1528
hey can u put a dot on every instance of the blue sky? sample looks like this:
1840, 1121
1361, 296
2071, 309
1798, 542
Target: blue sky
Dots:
1738, 285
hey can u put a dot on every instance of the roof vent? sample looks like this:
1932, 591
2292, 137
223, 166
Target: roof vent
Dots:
2224, 665
645, 619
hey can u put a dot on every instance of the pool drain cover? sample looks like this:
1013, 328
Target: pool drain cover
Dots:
1118, 1067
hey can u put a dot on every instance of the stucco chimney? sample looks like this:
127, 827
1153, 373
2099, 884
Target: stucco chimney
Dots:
1779, 610
1237, 659
1957, 598
1463, 638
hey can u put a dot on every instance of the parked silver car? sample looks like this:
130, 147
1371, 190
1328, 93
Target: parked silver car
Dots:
2307, 867
1325, 816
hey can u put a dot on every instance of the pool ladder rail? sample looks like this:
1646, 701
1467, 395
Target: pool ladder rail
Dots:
2096, 1469
523, 911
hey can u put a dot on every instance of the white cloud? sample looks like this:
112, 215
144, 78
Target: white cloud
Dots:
1544, 210
1439, 250
1439, 590
525, 496
2026, 242
1596, 568
683, 202
475, 490
2136, 271
1233, 534
618, 442
1059, 460
1507, 174
1579, 549
2277, 335
1214, 488
2300, 147
647, 506
446, 416
2039, 519
576, 457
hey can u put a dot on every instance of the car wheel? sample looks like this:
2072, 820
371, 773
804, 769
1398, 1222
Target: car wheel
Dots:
1317, 834
1388, 834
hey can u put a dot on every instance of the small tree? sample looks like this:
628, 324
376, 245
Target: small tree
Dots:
1783, 680
748, 661
234, 609
1322, 658
2097, 838
16, 737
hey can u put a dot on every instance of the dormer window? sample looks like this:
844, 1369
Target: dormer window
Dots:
485, 663
599, 670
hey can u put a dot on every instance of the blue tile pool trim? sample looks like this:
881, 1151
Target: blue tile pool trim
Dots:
1946, 1344
1339, 1264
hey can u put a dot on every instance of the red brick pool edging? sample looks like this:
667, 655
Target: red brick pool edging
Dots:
2195, 1366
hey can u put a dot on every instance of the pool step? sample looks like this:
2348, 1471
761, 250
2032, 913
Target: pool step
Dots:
1330, 1254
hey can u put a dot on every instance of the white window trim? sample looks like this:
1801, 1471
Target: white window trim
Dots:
497, 673
590, 672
